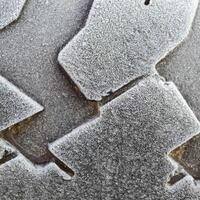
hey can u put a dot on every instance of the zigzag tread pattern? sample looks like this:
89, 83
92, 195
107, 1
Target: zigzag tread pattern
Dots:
122, 150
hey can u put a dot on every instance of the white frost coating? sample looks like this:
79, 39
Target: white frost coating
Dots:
10, 11
15, 106
119, 155
24, 164
123, 151
123, 40
38, 170
29, 45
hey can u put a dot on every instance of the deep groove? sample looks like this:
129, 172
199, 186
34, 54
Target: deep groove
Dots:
122, 90
179, 155
7, 156
34, 160
62, 165
147, 2
41, 161
176, 178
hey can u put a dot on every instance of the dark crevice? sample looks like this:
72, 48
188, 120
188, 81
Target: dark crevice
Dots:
173, 179
188, 157
62, 165
147, 2
7, 156
113, 95
42, 161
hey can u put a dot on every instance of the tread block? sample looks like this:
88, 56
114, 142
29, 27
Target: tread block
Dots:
126, 161
123, 40
10, 11
15, 106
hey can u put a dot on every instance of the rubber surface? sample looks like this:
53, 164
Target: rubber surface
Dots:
86, 111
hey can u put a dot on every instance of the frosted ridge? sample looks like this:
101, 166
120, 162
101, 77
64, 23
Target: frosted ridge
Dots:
15, 106
123, 40
10, 11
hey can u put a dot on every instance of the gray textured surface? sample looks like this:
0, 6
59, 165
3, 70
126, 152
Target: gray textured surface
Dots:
15, 106
10, 11
119, 155
123, 154
28, 58
182, 67
112, 162
123, 40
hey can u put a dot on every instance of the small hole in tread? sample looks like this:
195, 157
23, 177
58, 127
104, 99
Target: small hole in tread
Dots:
147, 2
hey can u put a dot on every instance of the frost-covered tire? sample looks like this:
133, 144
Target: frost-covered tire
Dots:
99, 99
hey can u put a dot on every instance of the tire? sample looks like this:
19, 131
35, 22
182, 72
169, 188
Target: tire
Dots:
87, 111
